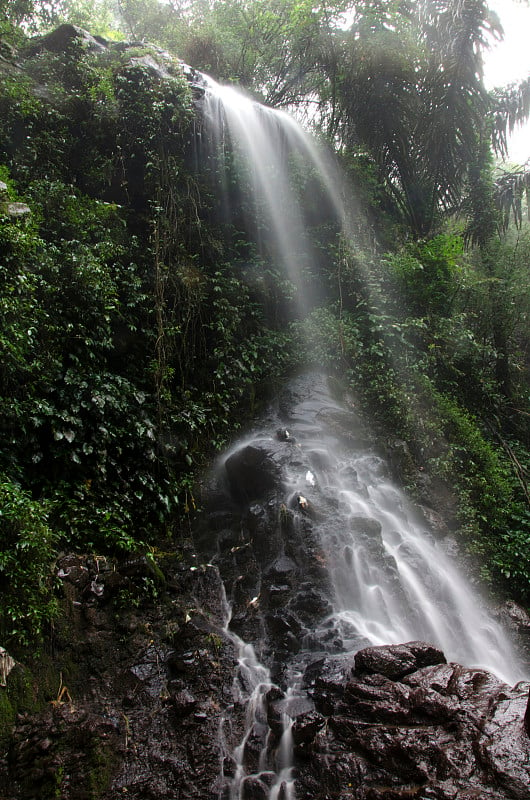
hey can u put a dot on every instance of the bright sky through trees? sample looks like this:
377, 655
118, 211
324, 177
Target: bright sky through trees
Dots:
509, 61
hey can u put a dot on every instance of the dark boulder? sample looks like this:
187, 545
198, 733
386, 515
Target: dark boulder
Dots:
306, 726
66, 38
253, 789
251, 473
396, 661
439, 731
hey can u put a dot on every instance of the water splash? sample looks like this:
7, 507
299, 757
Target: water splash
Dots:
272, 768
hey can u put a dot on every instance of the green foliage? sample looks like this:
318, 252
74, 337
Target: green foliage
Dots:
427, 273
122, 358
137, 330
26, 561
509, 557
493, 509
473, 462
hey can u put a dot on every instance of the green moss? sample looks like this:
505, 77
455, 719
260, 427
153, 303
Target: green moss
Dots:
17, 697
7, 718
102, 761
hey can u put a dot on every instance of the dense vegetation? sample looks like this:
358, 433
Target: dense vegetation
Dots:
136, 329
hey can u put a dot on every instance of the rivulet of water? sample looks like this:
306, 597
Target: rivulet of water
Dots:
258, 755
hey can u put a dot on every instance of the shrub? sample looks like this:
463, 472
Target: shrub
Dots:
26, 560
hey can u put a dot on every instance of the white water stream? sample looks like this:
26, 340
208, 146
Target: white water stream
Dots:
273, 769
392, 580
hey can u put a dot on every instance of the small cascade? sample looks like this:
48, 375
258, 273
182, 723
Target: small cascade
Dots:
283, 789
261, 763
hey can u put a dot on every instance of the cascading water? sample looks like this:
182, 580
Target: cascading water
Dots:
392, 580
383, 576
272, 154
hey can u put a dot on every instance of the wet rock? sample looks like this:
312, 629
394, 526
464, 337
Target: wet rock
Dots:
283, 435
378, 697
229, 767
517, 620
286, 629
437, 524
183, 702
220, 518
400, 457
396, 661
283, 791
18, 210
73, 569
504, 744
268, 778
517, 615
346, 424
320, 461
251, 473
278, 594
229, 538
306, 726
253, 789
312, 605
254, 745
325, 679
440, 732
367, 526
282, 568
302, 505
276, 705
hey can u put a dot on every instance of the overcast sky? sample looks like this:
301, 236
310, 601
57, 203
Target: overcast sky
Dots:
509, 61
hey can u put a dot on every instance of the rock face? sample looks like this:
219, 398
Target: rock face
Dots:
398, 722
141, 672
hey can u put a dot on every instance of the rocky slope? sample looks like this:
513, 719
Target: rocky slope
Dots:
145, 687
222, 676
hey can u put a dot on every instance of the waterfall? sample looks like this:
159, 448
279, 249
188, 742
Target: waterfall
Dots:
271, 155
384, 576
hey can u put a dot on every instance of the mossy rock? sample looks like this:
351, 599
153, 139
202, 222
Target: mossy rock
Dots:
18, 696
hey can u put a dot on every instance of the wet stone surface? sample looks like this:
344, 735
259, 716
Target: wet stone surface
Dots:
145, 681
438, 732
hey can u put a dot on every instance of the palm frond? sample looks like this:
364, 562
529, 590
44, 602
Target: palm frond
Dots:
510, 107
511, 188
